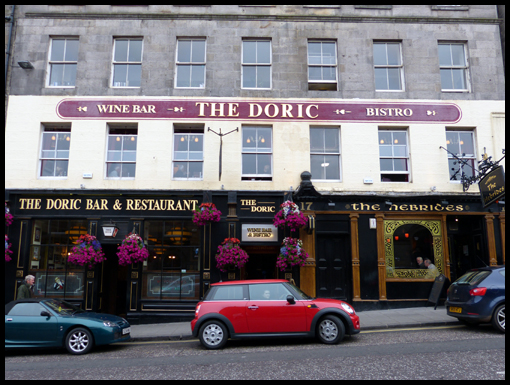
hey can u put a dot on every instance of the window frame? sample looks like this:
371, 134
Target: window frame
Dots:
452, 67
325, 153
64, 62
471, 157
400, 66
407, 156
190, 132
256, 151
127, 62
323, 82
191, 63
122, 162
57, 131
256, 64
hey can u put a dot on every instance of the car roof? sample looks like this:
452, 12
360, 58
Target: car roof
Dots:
489, 268
11, 304
250, 282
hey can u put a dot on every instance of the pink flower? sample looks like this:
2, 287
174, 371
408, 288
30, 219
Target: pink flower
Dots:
291, 254
8, 250
87, 251
132, 250
290, 216
229, 253
205, 214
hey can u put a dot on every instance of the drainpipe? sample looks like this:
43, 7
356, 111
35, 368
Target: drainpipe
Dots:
10, 19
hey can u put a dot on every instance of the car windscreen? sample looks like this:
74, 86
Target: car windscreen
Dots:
299, 291
473, 277
62, 307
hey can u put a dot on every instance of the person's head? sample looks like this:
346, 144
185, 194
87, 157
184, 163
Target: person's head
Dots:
30, 279
267, 294
419, 260
427, 262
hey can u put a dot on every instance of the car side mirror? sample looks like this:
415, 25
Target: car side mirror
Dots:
45, 314
291, 300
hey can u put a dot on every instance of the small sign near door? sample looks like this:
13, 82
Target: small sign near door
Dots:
259, 233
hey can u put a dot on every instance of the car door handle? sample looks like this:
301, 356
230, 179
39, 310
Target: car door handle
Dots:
9, 319
253, 307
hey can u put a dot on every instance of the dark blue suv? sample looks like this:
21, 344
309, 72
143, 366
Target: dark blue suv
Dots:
479, 296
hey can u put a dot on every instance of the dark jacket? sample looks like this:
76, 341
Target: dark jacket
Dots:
25, 291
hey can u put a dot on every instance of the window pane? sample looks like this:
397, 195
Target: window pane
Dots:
71, 50
444, 52
57, 71
57, 49
264, 164
249, 76
381, 78
47, 168
114, 155
263, 52
400, 137
128, 170
380, 54
198, 51
385, 137
452, 142
121, 48
249, 164
113, 170
331, 140
183, 51
129, 142
328, 53
264, 138
399, 151
180, 170
317, 139
249, 52
386, 165
129, 156
459, 82
458, 55
135, 50
332, 167
61, 168
249, 138
394, 79
134, 75
314, 73
197, 76
183, 75
466, 143
446, 79
385, 151
264, 77
314, 53
69, 75
316, 168
119, 75
195, 169
329, 73
400, 164
196, 143
393, 54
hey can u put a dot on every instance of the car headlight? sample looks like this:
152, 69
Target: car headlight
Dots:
347, 308
109, 323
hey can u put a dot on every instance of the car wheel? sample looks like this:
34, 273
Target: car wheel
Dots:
79, 341
498, 319
330, 330
213, 335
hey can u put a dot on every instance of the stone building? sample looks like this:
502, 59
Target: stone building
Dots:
133, 116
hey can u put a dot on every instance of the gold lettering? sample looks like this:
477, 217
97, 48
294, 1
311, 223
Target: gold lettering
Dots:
75, 204
376, 207
179, 206
221, 110
232, 110
104, 204
286, 111
276, 110
308, 113
370, 112
129, 204
65, 203
460, 208
202, 108
89, 204
102, 108
300, 110
252, 112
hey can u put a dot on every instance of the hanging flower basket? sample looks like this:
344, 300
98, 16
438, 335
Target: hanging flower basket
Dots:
8, 250
206, 213
132, 250
230, 254
290, 216
87, 251
8, 216
291, 254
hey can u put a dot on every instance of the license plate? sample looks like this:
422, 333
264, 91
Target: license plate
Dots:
126, 331
455, 309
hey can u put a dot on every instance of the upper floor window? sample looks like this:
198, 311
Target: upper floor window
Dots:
188, 157
325, 153
257, 153
256, 66
121, 153
461, 143
453, 67
190, 63
54, 158
322, 65
388, 67
393, 156
127, 62
62, 62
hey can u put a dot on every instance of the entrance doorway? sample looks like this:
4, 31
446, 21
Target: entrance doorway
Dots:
261, 264
114, 283
333, 261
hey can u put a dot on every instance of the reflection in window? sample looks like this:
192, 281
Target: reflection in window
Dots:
257, 153
188, 155
190, 63
394, 156
461, 143
121, 153
55, 152
127, 62
172, 269
325, 153
51, 243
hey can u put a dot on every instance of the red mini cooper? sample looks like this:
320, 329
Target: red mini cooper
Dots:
269, 308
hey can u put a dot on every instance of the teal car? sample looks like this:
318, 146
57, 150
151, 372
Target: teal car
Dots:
49, 322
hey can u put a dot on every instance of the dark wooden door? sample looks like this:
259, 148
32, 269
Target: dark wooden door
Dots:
332, 258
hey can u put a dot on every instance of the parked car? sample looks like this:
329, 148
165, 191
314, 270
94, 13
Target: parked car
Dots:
269, 308
52, 322
479, 297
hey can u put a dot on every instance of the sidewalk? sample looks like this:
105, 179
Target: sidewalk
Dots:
370, 320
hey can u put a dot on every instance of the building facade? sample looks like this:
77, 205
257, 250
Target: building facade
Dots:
365, 116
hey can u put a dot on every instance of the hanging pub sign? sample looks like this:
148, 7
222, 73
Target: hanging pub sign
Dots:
492, 186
